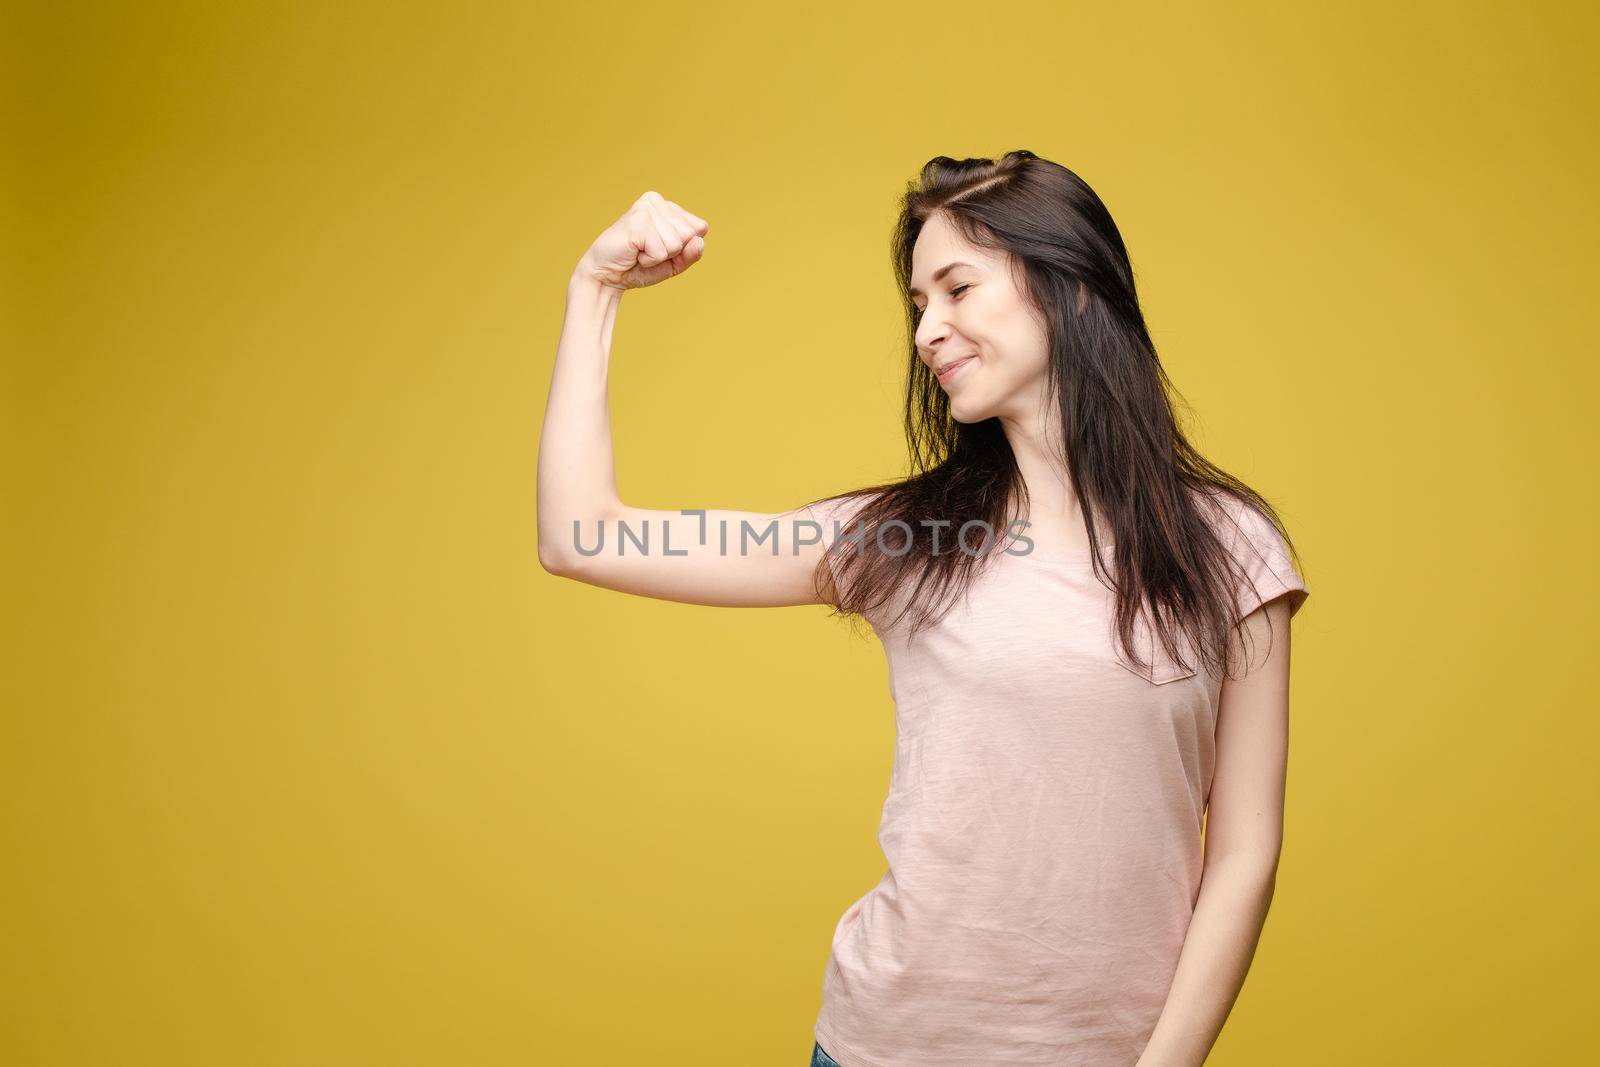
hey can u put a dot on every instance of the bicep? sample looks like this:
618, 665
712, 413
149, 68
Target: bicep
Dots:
720, 558
1245, 812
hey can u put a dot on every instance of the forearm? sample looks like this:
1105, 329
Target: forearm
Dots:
577, 472
1235, 895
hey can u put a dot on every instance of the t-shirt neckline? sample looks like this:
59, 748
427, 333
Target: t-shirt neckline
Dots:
1052, 555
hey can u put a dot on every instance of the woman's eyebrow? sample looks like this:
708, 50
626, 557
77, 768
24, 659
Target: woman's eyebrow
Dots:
940, 273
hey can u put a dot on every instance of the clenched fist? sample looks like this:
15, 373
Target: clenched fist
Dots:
653, 241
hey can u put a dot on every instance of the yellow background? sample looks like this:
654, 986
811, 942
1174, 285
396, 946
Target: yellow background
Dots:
306, 761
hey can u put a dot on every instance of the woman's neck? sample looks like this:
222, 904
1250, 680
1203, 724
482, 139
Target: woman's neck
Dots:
1054, 513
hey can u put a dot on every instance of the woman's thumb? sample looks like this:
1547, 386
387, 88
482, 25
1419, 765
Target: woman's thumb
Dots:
693, 249
686, 258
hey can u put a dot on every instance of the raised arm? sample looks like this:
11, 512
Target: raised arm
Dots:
724, 558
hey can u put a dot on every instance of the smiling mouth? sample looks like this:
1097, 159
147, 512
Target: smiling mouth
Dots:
945, 373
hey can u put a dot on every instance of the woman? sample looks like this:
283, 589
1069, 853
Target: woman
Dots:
1087, 627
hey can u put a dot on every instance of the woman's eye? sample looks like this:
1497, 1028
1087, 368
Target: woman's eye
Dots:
916, 312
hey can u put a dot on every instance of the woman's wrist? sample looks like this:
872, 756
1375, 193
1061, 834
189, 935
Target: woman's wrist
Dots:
585, 281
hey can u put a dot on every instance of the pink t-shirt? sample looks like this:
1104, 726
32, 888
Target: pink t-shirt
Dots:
1043, 823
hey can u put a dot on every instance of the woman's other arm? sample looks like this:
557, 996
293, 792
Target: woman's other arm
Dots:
1244, 835
765, 559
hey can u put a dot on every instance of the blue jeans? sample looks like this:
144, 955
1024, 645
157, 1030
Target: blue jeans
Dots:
820, 1058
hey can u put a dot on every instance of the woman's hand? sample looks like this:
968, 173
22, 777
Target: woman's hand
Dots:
653, 241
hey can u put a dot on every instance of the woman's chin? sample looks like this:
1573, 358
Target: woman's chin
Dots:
966, 412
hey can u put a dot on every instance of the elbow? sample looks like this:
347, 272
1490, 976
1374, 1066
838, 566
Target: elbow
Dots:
553, 559
560, 551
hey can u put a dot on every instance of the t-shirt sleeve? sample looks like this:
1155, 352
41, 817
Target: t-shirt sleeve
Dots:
837, 518
1264, 557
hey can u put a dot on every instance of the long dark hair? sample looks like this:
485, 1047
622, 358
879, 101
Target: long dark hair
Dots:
1126, 455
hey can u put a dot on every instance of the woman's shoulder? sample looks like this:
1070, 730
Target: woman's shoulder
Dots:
843, 509
1237, 519
1254, 540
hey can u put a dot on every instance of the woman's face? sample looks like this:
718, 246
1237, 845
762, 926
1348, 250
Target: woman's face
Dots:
977, 326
